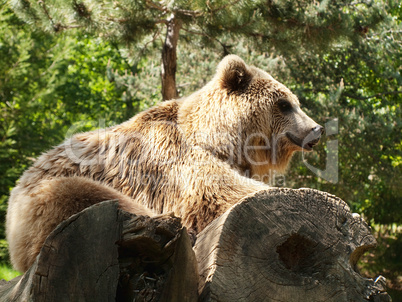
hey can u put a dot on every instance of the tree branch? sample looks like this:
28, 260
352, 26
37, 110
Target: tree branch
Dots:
56, 26
222, 7
187, 12
165, 9
156, 6
202, 33
358, 97
44, 7
195, 32
142, 51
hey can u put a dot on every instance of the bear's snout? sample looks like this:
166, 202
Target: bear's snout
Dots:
315, 137
318, 130
308, 141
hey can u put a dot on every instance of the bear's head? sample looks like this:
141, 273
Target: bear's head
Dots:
248, 119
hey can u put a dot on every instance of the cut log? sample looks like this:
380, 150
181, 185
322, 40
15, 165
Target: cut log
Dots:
277, 245
104, 254
286, 245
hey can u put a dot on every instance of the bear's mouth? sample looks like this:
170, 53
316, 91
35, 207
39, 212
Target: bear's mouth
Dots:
306, 144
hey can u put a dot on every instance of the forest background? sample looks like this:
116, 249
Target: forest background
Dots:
69, 66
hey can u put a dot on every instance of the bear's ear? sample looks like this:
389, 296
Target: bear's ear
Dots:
233, 74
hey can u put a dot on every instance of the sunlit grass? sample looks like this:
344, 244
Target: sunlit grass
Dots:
7, 273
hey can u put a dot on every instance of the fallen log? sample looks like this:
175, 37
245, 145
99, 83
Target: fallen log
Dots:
286, 245
104, 254
277, 245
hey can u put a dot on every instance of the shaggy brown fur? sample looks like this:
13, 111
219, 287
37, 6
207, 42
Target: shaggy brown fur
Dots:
190, 156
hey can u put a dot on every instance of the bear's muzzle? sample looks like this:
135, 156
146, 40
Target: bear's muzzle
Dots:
309, 141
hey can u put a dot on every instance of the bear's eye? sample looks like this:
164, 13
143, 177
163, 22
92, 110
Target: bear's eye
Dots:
285, 106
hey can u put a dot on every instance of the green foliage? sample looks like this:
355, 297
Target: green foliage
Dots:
49, 83
369, 113
386, 259
7, 273
284, 25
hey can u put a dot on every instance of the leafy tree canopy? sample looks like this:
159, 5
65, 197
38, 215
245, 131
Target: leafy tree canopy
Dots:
287, 26
49, 84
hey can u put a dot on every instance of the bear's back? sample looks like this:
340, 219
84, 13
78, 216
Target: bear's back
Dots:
97, 154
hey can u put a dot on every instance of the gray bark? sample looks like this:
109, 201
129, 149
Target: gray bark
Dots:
277, 245
104, 254
286, 245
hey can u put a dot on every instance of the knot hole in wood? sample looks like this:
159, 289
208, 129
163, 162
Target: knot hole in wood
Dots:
297, 254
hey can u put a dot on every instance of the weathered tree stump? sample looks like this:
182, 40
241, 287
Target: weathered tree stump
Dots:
286, 245
277, 245
104, 254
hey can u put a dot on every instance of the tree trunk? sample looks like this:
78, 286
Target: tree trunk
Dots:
104, 254
286, 245
169, 59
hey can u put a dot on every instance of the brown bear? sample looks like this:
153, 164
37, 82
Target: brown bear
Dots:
196, 156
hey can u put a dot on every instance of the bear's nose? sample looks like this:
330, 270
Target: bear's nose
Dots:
318, 130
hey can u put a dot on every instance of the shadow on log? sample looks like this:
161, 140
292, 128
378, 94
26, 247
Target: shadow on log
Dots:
104, 254
277, 245
286, 245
